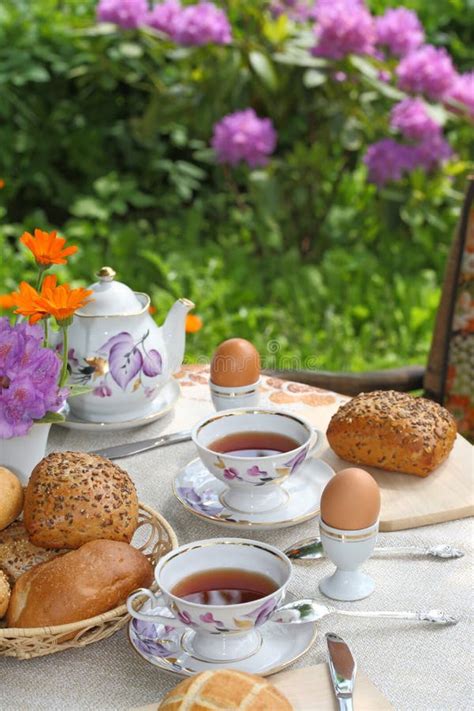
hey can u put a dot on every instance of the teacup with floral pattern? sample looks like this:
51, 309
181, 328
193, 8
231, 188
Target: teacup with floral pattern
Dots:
216, 632
254, 482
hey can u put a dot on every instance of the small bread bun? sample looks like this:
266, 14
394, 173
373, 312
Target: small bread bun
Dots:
11, 497
4, 593
75, 497
77, 585
225, 689
17, 554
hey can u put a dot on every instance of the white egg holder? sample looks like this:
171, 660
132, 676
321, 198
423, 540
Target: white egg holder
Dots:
227, 398
348, 550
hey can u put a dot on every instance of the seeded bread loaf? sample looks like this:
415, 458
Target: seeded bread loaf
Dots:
18, 554
74, 497
225, 689
393, 431
77, 585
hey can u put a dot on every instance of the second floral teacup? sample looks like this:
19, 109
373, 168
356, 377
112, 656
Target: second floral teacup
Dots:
253, 451
217, 627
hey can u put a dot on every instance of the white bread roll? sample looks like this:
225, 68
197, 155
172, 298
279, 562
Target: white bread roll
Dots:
77, 585
11, 497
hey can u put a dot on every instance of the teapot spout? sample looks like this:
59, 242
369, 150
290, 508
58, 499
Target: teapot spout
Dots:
174, 333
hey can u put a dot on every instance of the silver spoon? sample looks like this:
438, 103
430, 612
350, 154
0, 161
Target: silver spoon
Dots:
302, 611
311, 549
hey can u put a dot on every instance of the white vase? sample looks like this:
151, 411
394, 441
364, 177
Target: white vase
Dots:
22, 454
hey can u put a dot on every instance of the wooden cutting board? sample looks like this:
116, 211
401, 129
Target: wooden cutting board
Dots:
310, 689
409, 501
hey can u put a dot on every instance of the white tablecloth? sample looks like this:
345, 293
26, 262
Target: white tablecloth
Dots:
416, 666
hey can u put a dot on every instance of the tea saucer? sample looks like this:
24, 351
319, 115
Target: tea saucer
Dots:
166, 647
202, 494
163, 403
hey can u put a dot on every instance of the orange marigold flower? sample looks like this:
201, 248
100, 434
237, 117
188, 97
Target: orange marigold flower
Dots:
152, 310
2, 183
193, 323
7, 301
61, 301
47, 248
27, 301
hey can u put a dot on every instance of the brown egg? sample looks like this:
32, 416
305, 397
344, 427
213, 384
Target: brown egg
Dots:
351, 500
236, 362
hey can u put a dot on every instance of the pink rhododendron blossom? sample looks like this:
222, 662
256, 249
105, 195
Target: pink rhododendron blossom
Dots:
243, 136
427, 70
200, 24
29, 375
400, 30
411, 118
128, 14
343, 27
463, 91
164, 15
387, 161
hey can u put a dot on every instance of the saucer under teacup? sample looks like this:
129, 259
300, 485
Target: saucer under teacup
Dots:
160, 406
170, 649
203, 495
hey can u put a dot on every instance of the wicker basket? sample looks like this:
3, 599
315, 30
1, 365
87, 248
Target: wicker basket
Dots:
25, 643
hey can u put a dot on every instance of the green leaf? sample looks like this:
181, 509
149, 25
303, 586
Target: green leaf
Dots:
78, 390
263, 68
51, 417
131, 50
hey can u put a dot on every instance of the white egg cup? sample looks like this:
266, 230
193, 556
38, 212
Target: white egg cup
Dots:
348, 550
227, 398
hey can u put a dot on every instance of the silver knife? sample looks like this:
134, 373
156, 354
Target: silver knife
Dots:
342, 667
128, 450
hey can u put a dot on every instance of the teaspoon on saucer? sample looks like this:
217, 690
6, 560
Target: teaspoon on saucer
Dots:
311, 549
302, 611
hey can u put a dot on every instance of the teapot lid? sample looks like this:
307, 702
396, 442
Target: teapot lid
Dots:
113, 298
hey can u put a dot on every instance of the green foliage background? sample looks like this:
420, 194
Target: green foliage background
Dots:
105, 135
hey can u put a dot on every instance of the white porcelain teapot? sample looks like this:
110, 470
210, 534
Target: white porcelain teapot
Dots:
116, 349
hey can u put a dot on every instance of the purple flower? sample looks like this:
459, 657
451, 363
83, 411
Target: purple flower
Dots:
463, 91
427, 70
262, 613
431, 151
343, 27
29, 377
128, 14
231, 473
102, 390
243, 136
185, 617
207, 502
200, 24
163, 16
387, 160
297, 10
255, 471
411, 118
295, 461
399, 30
208, 618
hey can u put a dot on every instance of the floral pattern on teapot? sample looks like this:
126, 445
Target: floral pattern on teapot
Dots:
123, 360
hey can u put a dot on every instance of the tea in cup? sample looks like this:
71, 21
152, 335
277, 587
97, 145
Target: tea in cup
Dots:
253, 451
220, 591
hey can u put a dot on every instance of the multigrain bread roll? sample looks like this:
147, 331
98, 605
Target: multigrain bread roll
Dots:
77, 585
4, 593
11, 497
74, 497
393, 431
17, 554
225, 689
